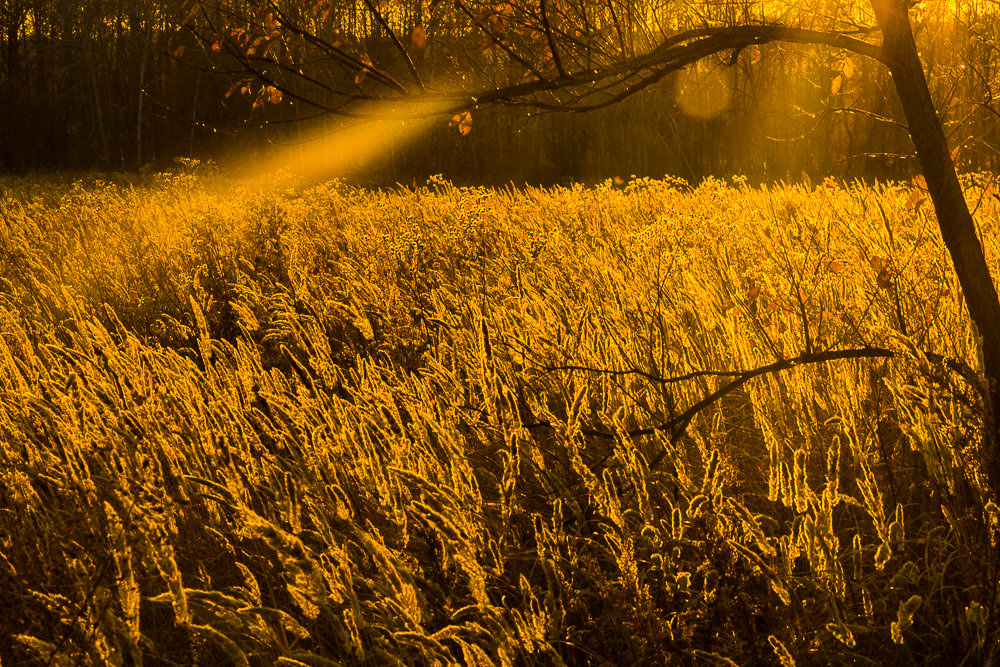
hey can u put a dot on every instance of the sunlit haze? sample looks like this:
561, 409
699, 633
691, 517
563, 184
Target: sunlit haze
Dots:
338, 147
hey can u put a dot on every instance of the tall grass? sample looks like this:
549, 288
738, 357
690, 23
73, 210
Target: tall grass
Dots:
322, 425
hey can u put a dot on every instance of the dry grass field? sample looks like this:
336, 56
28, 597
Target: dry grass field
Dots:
639, 425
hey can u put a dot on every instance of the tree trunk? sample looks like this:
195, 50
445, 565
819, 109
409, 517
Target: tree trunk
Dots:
957, 227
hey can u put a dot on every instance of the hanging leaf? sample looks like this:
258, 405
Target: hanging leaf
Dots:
270, 23
364, 72
465, 126
915, 200
255, 44
848, 68
238, 85
321, 8
418, 37
920, 182
179, 52
881, 267
837, 84
463, 121
884, 279
195, 6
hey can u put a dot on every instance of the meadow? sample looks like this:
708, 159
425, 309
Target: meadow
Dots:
620, 425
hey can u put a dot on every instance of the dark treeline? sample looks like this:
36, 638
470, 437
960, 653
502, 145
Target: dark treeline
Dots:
116, 84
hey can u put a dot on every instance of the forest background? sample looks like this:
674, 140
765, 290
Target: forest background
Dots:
116, 85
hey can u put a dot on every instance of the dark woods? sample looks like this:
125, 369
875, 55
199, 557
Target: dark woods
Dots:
122, 85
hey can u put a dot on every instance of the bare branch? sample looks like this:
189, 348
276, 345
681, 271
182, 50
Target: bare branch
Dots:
678, 52
395, 40
553, 48
341, 56
499, 43
677, 426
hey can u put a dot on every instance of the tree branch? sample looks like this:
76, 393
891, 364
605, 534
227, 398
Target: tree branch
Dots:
677, 426
553, 48
373, 9
680, 51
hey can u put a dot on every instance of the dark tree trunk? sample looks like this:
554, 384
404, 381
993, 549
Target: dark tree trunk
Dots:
957, 227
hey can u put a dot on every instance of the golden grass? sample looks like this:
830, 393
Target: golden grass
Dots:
323, 425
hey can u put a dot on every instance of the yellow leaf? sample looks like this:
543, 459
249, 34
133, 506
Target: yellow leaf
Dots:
848, 68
